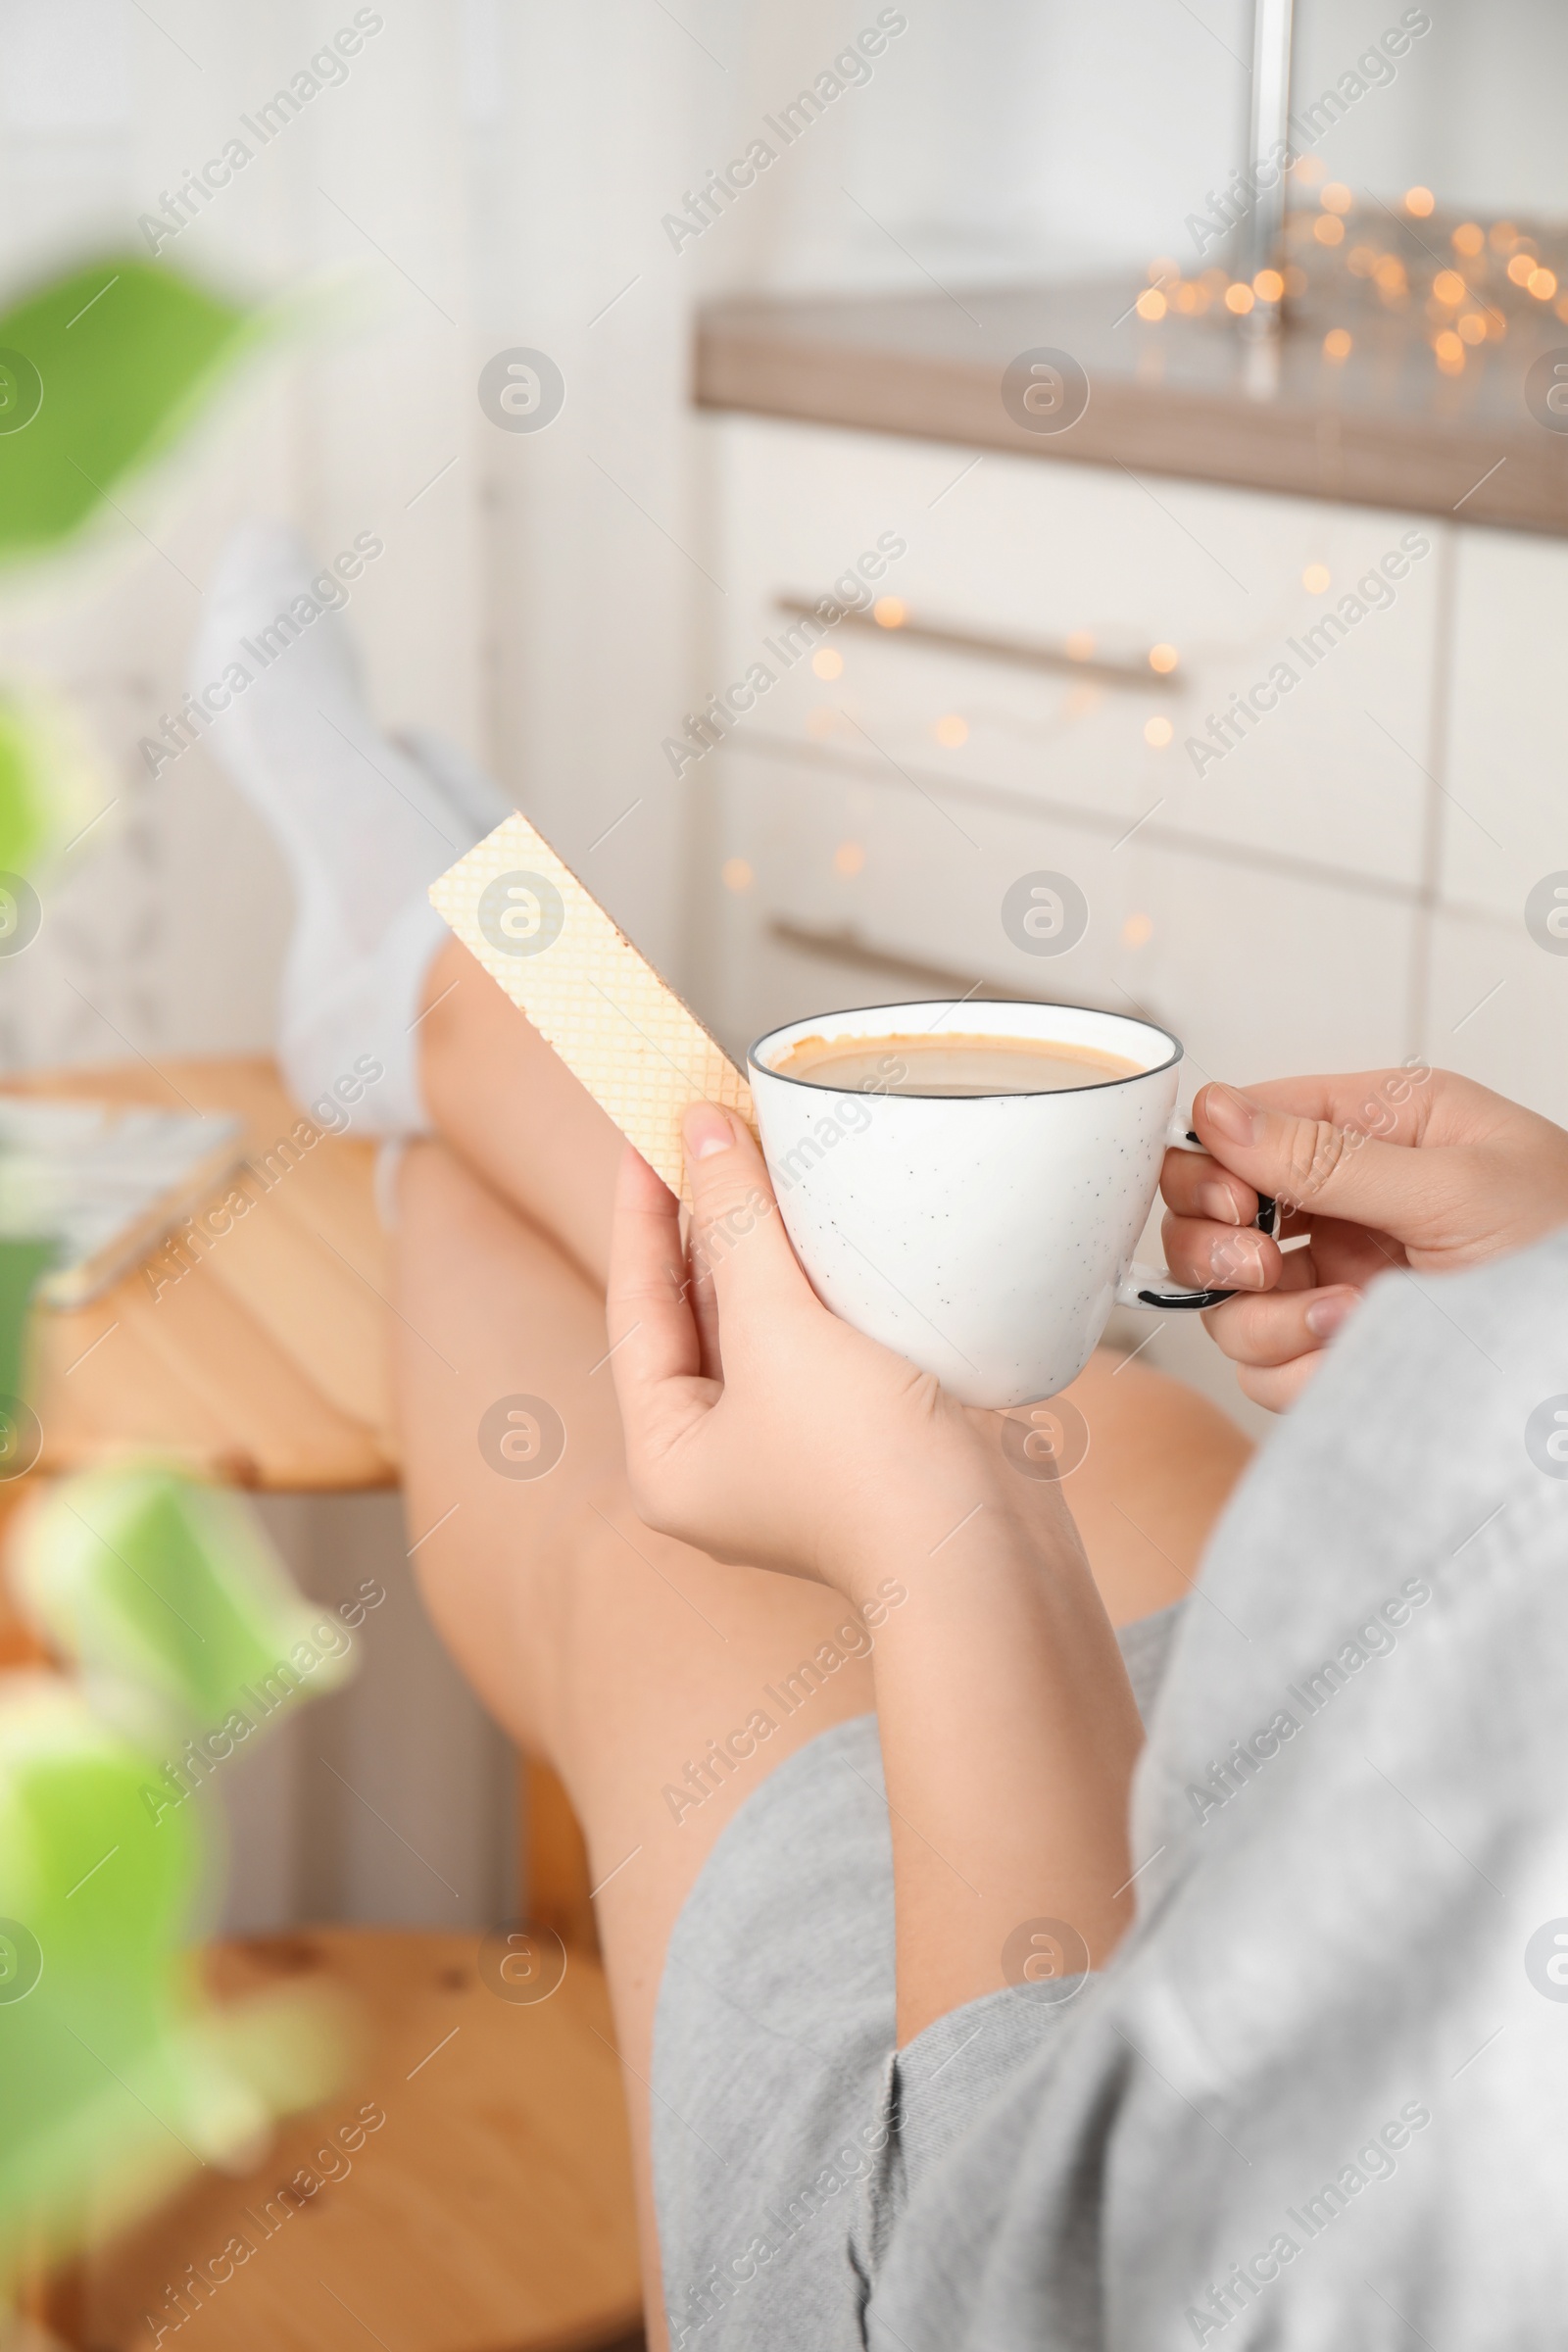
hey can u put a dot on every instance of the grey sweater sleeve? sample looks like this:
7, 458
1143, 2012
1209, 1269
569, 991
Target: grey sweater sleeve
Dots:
1315, 2097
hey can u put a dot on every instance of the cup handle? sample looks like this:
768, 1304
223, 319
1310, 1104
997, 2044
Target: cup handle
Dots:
1156, 1288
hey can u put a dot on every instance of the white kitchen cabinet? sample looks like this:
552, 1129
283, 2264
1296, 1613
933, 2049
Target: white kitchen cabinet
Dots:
1273, 909
1505, 816
1198, 944
1499, 1011
1092, 560
1343, 890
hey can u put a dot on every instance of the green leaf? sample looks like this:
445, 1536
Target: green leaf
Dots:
100, 372
168, 1589
51, 783
120, 2076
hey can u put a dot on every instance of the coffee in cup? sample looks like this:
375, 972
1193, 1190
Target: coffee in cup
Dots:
945, 1063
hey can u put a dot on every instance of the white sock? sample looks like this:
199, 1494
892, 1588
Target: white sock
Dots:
365, 828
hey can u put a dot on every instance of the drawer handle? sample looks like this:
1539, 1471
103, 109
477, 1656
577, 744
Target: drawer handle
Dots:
849, 947
1021, 651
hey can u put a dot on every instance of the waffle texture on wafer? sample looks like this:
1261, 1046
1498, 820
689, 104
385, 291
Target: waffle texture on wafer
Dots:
620, 1030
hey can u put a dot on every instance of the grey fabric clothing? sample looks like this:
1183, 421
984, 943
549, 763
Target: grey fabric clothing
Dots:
1315, 2097
773, 2042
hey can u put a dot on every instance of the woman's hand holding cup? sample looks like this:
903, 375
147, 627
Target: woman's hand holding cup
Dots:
1403, 1167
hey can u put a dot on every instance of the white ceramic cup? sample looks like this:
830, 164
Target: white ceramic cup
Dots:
984, 1237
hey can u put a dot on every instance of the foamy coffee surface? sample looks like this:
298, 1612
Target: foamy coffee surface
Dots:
950, 1064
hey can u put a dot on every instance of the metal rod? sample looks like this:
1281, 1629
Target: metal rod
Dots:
1260, 229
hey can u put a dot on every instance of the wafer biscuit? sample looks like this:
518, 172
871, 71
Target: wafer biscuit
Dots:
620, 1030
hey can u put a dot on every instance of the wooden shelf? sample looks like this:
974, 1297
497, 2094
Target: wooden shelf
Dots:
1187, 397
267, 1364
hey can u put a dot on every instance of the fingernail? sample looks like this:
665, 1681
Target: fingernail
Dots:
707, 1131
1237, 1262
1325, 1315
1214, 1200
1235, 1118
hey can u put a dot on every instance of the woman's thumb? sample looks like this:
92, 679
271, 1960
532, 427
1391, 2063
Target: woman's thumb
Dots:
737, 1237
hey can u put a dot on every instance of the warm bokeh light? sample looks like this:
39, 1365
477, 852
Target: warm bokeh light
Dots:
1469, 238
1521, 268
1450, 351
890, 611
1189, 299
736, 874
1336, 343
1389, 274
1449, 287
1161, 268
1137, 930
1159, 732
1150, 303
1327, 229
951, 730
828, 662
1542, 283
1315, 577
1361, 260
1163, 658
1268, 285
1080, 645
1471, 328
1238, 298
1336, 197
1503, 237
1308, 169
1419, 201
848, 858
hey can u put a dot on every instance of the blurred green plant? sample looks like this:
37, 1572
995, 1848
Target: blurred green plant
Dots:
50, 779
118, 2074
165, 1595
103, 369
101, 372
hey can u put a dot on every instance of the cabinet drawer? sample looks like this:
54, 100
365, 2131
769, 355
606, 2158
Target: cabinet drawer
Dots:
1091, 571
1257, 974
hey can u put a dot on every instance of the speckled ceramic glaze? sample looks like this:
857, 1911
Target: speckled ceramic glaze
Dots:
985, 1237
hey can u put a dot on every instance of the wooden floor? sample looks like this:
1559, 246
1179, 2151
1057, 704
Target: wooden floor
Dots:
490, 2210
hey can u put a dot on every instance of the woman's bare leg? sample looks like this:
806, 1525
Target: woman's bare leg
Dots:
618, 1655
506, 1101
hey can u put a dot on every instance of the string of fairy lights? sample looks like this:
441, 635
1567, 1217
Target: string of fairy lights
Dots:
1347, 261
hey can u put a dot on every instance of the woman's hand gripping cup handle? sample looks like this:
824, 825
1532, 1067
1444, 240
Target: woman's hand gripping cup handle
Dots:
1408, 1166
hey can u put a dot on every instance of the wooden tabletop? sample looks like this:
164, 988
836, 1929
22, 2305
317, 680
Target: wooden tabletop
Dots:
268, 1363
1181, 396
490, 2211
